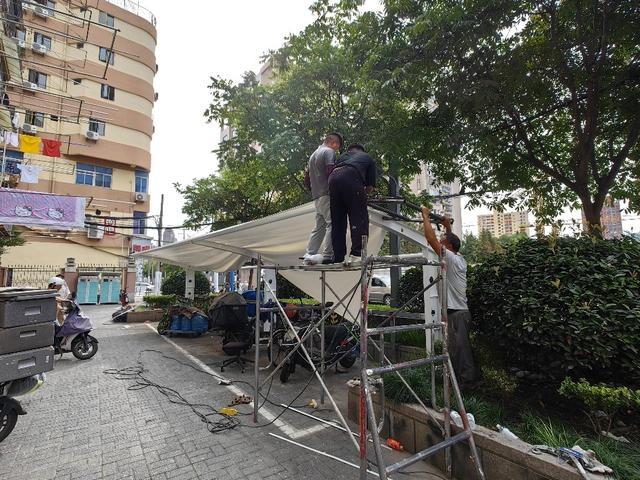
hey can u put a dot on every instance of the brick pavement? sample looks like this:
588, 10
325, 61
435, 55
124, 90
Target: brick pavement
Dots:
87, 425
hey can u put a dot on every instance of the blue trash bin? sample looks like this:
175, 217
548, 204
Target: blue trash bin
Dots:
250, 297
186, 324
199, 323
176, 322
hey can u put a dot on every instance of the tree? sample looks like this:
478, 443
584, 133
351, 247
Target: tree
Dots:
238, 194
9, 240
538, 100
317, 88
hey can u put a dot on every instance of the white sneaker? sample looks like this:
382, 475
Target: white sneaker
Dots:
313, 259
352, 259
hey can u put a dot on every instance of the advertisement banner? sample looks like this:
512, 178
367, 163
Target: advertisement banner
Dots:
20, 207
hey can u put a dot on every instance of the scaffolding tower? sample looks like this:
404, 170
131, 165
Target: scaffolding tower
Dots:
372, 372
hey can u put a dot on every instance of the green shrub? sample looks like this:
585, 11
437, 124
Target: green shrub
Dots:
174, 283
563, 305
610, 400
601, 397
410, 284
159, 301
498, 380
415, 338
286, 289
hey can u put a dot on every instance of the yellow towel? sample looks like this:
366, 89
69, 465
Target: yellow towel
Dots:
30, 144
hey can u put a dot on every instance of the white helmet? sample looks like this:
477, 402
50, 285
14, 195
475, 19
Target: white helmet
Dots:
57, 281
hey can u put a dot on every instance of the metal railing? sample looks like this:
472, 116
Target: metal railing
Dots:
135, 8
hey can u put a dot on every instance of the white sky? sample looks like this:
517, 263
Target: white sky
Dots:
223, 38
206, 37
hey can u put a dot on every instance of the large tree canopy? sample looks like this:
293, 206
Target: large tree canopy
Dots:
537, 99
535, 102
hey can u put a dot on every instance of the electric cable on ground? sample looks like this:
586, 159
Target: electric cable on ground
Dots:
205, 412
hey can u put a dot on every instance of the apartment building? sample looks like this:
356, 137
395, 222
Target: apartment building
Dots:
504, 223
81, 73
610, 219
451, 207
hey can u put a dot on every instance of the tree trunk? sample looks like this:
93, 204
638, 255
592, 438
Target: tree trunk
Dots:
592, 224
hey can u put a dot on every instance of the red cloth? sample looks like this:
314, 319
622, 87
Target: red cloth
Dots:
51, 148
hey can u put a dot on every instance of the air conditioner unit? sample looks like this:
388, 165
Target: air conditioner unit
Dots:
20, 43
95, 231
141, 197
27, 128
42, 12
29, 85
91, 135
39, 48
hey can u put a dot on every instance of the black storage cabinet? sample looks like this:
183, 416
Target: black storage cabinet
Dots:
24, 306
26, 332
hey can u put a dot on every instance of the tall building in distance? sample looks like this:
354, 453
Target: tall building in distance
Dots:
610, 219
451, 207
504, 223
82, 73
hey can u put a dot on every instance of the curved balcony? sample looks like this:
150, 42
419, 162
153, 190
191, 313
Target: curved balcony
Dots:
135, 8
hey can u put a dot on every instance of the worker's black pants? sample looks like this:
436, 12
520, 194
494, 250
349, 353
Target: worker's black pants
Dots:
348, 198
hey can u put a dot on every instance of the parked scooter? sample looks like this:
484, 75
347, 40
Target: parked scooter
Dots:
10, 408
73, 336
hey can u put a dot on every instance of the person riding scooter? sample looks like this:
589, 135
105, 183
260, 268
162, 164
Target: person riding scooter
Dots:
73, 336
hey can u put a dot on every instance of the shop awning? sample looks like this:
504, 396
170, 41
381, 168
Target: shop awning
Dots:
279, 239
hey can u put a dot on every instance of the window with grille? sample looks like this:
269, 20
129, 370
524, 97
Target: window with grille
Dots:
105, 19
38, 78
34, 118
142, 181
106, 55
87, 174
108, 92
42, 39
97, 126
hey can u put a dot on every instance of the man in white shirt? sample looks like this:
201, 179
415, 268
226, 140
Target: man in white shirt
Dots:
458, 316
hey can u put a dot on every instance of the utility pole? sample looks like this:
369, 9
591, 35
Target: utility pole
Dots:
160, 220
158, 279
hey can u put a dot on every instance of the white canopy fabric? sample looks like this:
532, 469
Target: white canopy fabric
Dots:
279, 239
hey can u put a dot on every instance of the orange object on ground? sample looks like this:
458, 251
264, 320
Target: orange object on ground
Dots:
394, 444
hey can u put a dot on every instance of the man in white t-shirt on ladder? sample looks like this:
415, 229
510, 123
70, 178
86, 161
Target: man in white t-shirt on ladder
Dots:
321, 164
458, 315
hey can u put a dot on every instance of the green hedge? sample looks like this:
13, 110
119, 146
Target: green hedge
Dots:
174, 283
160, 301
410, 284
563, 306
286, 289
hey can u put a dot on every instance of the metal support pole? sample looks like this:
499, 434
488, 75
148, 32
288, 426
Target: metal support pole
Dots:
256, 366
445, 351
364, 283
323, 299
317, 374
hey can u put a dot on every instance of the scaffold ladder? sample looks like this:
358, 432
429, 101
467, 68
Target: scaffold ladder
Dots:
369, 428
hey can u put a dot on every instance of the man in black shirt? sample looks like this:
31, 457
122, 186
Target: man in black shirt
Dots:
351, 180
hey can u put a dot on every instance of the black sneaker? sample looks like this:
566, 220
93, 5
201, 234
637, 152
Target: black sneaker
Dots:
327, 261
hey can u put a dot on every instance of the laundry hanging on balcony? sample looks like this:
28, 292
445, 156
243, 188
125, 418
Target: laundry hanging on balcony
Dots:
30, 144
51, 148
29, 173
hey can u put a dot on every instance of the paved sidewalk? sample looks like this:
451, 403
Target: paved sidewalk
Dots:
87, 425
